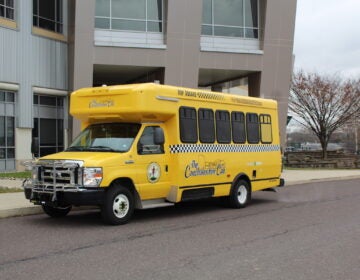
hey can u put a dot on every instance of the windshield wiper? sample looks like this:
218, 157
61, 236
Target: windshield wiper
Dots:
93, 148
101, 148
76, 148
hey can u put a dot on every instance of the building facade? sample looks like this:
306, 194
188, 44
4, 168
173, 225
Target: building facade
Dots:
33, 78
49, 48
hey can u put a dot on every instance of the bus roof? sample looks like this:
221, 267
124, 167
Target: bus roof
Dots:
151, 102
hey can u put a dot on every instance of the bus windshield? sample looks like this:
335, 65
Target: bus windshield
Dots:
106, 137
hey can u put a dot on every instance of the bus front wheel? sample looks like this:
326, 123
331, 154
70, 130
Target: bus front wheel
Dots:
118, 206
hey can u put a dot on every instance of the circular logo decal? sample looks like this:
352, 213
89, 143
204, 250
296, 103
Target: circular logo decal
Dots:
153, 172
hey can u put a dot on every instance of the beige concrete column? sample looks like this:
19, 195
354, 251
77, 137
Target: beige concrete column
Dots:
277, 60
23, 147
183, 43
81, 47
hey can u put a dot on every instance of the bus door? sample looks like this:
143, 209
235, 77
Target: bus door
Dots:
152, 164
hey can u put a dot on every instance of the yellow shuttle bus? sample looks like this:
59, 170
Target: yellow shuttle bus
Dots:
149, 145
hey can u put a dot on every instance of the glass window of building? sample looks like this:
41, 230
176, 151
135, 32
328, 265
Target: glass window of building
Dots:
7, 9
237, 86
7, 130
48, 14
49, 123
231, 18
135, 15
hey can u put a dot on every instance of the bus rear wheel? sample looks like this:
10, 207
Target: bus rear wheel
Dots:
240, 194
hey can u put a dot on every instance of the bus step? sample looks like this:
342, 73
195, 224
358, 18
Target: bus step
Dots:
269, 190
155, 203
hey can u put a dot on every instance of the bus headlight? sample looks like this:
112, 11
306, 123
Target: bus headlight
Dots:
35, 173
92, 177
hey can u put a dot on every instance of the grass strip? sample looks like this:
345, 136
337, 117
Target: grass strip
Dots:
15, 175
10, 190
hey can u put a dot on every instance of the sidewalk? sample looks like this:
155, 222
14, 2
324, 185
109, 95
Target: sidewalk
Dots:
302, 176
15, 204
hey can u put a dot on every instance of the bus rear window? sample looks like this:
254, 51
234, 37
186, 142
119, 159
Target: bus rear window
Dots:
265, 129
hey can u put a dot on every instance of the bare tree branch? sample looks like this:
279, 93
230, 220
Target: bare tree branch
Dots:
323, 103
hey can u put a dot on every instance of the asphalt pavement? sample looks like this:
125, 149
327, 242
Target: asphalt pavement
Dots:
305, 231
15, 204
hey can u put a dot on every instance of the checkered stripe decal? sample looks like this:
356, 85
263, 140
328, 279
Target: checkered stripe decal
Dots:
219, 148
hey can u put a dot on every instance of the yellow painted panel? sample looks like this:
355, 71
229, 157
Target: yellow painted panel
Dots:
183, 165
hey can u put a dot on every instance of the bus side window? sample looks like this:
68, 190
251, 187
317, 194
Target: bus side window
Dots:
188, 125
147, 145
265, 129
206, 126
252, 128
223, 130
238, 127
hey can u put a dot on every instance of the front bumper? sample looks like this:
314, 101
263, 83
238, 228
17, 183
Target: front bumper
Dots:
78, 196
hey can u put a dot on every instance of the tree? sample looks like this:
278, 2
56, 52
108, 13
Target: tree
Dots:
323, 103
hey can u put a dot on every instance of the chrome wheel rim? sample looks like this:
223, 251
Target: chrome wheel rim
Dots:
242, 194
121, 206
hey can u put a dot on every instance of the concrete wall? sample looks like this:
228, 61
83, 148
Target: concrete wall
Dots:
269, 69
183, 43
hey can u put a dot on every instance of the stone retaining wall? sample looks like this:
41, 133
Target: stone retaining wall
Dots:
314, 159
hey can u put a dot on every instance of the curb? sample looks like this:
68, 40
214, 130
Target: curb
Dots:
23, 211
34, 210
300, 182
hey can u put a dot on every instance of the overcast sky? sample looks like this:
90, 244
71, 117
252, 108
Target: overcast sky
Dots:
327, 36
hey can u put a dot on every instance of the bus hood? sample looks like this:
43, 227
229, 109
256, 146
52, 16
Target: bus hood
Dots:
90, 159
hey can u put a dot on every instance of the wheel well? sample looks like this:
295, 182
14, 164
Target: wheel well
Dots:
243, 176
127, 183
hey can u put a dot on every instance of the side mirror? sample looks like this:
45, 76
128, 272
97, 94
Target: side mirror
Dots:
35, 146
159, 138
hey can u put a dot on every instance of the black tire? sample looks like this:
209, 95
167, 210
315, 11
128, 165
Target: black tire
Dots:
118, 206
56, 212
240, 194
